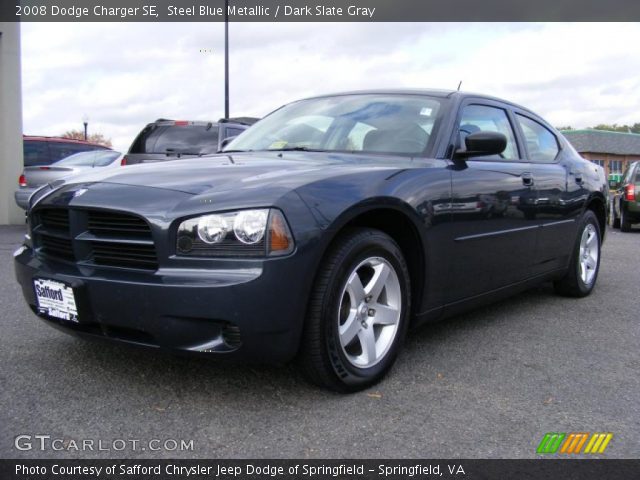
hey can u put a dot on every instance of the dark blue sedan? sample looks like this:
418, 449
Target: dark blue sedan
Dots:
322, 233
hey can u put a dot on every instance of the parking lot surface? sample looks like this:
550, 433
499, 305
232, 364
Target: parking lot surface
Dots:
487, 384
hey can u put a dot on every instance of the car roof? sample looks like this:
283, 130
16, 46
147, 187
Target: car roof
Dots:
170, 122
41, 138
247, 121
426, 92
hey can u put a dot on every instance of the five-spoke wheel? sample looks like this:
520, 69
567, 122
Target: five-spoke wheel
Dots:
369, 312
358, 312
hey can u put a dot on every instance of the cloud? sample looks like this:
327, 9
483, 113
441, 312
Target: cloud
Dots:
124, 75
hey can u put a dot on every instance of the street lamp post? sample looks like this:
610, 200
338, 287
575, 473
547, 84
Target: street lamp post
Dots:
85, 122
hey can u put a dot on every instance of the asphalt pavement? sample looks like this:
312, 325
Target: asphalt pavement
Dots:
487, 384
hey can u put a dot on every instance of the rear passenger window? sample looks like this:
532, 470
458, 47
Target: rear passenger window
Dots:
60, 150
542, 145
234, 132
35, 153
482, 118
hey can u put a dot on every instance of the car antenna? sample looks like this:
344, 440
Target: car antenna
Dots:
459, 85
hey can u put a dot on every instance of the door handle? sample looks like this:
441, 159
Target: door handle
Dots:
527, 179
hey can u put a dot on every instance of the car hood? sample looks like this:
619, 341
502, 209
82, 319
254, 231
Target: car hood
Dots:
235, 172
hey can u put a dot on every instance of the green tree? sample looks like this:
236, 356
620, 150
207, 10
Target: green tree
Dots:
635, 128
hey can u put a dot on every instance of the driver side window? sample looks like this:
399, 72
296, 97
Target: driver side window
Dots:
483, 118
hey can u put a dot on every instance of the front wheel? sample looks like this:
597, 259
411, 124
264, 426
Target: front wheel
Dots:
358, 312
585, 261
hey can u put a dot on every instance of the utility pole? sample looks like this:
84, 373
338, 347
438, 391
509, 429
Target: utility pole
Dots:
226, 58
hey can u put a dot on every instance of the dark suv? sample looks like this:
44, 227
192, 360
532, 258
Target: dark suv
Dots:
170, 139
625, 205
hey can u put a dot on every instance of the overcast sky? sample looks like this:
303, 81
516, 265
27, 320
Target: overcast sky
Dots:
124, 75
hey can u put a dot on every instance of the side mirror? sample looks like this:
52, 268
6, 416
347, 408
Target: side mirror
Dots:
483, 143
226, 142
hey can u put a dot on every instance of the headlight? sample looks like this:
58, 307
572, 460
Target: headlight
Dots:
250, 225
212, 229
256, 233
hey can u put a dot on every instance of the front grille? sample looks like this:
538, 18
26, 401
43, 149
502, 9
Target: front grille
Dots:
124, 255
115, 223
57, 247
94, 237
54, 218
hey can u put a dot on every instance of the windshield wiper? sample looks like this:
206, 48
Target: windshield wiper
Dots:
296, 149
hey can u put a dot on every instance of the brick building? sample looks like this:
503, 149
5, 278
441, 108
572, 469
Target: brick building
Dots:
611, 150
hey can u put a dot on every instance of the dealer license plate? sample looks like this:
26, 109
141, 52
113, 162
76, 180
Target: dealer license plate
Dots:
55, 299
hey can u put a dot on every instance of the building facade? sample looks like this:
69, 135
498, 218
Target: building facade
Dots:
10, 122
611, 150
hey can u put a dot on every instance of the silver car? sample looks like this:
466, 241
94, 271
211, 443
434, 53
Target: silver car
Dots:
33, 178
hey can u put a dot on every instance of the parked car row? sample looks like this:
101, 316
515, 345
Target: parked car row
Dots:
321, 234
625, 201
49, 159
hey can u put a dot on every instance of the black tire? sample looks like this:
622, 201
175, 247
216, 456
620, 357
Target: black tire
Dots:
322, 357
625, 223
572, 284
615, 221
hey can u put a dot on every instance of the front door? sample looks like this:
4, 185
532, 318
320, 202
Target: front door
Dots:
493, 232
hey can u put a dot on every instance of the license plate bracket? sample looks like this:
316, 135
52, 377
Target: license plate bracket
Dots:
55, 299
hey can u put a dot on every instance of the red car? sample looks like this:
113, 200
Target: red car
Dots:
43, 151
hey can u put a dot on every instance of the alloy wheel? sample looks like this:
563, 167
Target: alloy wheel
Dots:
369, 312
589, 252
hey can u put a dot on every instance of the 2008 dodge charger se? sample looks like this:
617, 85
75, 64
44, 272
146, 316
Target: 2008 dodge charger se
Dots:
322, 233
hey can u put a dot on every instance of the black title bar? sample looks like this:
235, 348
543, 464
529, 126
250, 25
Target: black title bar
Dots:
318, 469
318, 11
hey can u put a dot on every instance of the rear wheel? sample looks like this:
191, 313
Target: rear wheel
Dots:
585, 261
358, 312
615, 221
625, 223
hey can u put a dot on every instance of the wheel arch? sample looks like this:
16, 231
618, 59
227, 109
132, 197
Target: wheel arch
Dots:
398, 220
598, 205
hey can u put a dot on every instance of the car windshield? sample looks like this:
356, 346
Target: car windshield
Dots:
95, 158
368, 123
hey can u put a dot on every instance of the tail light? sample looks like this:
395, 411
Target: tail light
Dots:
22, 181
630, 192
123, 162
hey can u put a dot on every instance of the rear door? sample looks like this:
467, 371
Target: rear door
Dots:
493, 232
558, 181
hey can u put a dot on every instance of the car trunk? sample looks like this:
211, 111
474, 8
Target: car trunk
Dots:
41, 175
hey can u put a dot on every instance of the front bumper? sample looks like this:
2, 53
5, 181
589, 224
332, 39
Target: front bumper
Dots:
250, 313
22, 197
